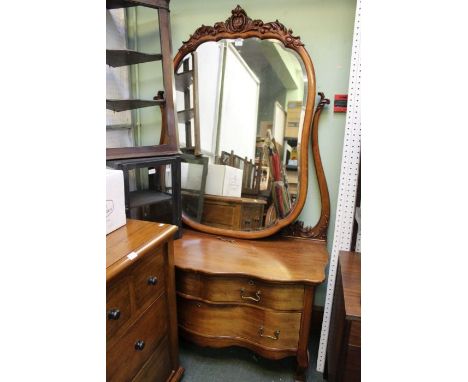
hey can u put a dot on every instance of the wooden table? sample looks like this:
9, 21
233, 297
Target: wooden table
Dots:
344, 341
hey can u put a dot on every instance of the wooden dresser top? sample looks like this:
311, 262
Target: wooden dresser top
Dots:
136, 236
350, 265
273, 259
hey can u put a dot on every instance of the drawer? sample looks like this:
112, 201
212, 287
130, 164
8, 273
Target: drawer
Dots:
124, 359
272, 330
158, 368
241, 290
222, 215
252, 216
118, 309
149, 278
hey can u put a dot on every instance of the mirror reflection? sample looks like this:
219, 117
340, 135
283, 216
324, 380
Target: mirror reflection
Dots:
241, 106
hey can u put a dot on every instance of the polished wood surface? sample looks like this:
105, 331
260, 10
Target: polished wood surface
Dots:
123, 360
273, 259
239, 25
241, 323
344, 340
320, 229
136, 238
141, 305
350, 263
230, 288
240, 290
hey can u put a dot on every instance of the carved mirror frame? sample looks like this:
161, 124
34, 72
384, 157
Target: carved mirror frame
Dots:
239, 25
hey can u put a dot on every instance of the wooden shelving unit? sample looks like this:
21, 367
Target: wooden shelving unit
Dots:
123, 57
151, 198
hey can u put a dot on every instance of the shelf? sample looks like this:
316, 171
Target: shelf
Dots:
113, 4
146, 197
116, 58
183, 80
185, 115
130, 104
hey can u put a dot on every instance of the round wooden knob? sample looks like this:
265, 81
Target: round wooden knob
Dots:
113, 314
153, 280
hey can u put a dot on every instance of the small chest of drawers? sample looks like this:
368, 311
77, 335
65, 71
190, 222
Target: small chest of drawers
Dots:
141, 321
252, 293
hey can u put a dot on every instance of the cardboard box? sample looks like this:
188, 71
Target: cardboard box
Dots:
223, 180
115, 200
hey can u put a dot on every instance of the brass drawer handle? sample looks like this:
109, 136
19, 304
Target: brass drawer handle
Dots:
139, 345
257, 294
276, 337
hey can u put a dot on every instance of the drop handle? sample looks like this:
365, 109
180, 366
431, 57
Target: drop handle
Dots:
275, 337
139, 345
256, 298
153, 280
113, 314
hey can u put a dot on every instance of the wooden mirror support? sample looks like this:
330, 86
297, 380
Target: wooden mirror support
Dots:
239, 25
319, 231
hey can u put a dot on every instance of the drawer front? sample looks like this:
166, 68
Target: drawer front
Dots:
118, 309
273, 330
149, 278
241, 290
125, 357
158, 368
222, 215
252, 216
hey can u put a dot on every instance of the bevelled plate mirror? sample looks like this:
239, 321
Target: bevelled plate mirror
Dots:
245, 100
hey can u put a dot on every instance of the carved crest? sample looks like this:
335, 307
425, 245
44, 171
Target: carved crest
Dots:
240, 23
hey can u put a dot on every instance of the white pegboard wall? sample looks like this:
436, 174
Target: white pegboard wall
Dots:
348, 182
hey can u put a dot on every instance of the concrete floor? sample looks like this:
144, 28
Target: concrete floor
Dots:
241, 365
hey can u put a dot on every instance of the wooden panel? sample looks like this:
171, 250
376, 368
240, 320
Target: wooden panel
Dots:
158, 367
251, 216
350, 263
228, 290
222, 215
272, 259
123, 360
240, 322
152, 266
136, 236
352, 371
117, 298
355, 333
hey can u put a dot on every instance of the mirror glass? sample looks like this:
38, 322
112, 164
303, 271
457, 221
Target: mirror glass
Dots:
240, 107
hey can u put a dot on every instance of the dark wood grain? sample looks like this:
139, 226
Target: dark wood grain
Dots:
350, 263
344, 339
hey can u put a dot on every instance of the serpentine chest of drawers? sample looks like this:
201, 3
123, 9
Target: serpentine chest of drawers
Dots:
141, 329
256, 294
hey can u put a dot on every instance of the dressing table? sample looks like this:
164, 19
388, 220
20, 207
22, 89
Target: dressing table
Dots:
252, 286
